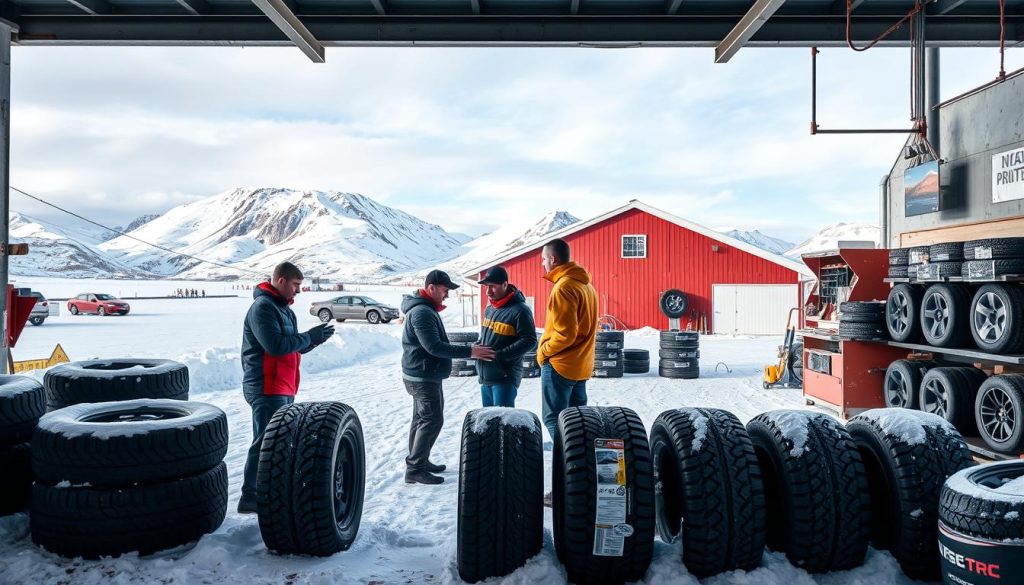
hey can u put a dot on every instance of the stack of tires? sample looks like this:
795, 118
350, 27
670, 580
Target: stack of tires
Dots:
899, 260
862, 321
138, 475
21, 404
114, 379
944, 260
311, 479
463, 368
993, 257
636, 361
608, 358
679, 354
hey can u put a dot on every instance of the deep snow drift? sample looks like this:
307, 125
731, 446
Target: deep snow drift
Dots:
408, 533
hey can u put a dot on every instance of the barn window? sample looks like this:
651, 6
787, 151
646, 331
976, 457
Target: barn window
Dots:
634, 246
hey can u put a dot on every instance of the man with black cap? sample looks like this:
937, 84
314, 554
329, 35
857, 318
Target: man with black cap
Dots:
426, 361
508, 328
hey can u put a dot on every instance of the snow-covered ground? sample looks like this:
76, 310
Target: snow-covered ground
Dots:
408, 533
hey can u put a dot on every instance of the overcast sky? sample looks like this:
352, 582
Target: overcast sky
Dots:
470, 138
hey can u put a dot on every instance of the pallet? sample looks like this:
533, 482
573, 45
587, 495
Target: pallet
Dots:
984, 454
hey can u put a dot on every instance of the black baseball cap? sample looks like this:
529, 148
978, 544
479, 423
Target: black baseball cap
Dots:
496, 275
439, 277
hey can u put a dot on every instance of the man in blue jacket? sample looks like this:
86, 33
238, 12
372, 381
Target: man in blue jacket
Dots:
509, 329
271, 344
426, 361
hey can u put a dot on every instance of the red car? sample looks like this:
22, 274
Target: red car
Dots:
99, 303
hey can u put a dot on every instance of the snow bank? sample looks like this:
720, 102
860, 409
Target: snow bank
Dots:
514, 417
220, 368
908, 425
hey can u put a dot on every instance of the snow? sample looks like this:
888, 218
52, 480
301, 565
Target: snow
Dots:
1010, 492
408, 532
830, 237
66, 421
1013, 487
763, 241
513, 417
793, 425
909, 425
700, 429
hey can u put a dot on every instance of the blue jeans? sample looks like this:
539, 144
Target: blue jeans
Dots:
263, 407
503, 394
557, 394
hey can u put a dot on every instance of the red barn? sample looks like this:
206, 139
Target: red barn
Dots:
636, 252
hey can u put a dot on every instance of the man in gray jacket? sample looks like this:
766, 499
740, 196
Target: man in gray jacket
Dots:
426, 361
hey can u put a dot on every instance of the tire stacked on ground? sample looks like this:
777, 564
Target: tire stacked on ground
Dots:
501, 492
114, 380
981, 520
311, 479
898, 262
710, 494
22, 402
137, 475
944, 313
608, 356
679, 354
463, 368
636, 361
903, 313
862, 321
907, 455
950, 393
993, 257
610, 543
815, 485
999, 412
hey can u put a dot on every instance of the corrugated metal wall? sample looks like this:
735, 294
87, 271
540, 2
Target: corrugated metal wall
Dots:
629, 288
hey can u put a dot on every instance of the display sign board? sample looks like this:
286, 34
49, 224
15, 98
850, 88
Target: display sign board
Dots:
1008, 176
57, 357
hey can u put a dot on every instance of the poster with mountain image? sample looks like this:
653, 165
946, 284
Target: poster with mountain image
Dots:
921, 188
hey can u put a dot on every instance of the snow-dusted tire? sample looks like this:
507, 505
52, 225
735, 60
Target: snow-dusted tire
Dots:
902, 384
16, 485
115, 379
997, 318
710, 495
949, 392
945, 315
574, 488
501, 492
986, 269
606, 346
902, 313
311, 479
999, 412
946, 252
22, 402
113, 444
461, 337
972, 504
861, 312
90, 523
816, 492
908, 455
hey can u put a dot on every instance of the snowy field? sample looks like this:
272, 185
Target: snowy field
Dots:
408, 532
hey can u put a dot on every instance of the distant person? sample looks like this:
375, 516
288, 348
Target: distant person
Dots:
509, 329
426, 361
204, 293
271, 344
566, 349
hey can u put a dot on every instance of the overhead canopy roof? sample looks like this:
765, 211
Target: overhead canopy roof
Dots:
313, 24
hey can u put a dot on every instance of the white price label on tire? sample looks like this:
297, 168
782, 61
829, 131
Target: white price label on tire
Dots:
983, 253
610, 519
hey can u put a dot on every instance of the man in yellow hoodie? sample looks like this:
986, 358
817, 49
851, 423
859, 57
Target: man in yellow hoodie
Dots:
566, 349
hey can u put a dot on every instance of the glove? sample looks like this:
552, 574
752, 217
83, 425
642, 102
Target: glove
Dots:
321, 333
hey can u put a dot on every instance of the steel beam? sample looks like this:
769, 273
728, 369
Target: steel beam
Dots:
5, 180
195, 7
746, 28
940, 7
513, 31
93, 7
672, 6
292, 27
380, 6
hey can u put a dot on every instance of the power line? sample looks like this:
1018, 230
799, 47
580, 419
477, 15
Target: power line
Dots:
119, 232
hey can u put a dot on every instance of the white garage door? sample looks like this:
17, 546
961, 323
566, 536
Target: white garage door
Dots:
752, 309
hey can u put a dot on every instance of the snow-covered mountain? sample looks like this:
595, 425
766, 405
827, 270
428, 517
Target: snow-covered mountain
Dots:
763, 241
326, 233
69, 249
829, 237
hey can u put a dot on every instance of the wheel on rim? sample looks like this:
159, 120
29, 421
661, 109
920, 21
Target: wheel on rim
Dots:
902, 382
101, 311
74, 309
673, 303
935, 314
996, 314
901, 312
373, 317
944, 320
934, 397
897, 390
998, 412
324, 315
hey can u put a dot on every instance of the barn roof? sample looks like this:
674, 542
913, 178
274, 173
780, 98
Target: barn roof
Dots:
798, 267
